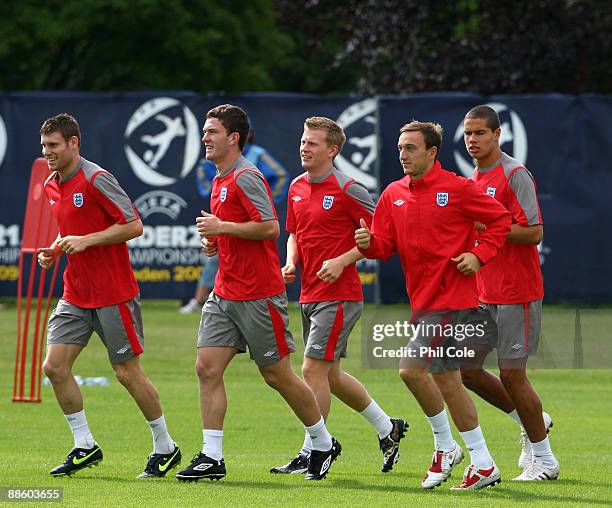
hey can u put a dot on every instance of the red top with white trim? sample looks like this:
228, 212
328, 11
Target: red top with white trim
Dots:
248, 269
88, 201
514, 276
323, 215
428, 222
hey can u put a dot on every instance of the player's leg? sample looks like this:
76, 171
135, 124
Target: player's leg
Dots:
264, 324
69, 330
219, 340
519, 327
120, 328
390, 430
301, 400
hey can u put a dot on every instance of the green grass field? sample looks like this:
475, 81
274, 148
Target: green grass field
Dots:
261, 431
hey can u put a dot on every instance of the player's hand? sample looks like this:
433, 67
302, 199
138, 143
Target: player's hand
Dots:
209, 225
288, 273
363, 235
467, 263
330, 270
73, 244
46, 256
480, 226
209, 246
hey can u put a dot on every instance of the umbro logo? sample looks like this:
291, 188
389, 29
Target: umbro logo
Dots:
203, 467
517, 346
316, 346
297, 198
52, 202
326, 465
269, 353
399, 202
122, 350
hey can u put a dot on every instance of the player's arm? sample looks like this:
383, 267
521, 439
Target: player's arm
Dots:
523, 204
117, 233
210, 226
331, 269
46, 255
531, 235
293, 258
479, 207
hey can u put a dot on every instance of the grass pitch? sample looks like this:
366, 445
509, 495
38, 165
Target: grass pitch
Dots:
261, 431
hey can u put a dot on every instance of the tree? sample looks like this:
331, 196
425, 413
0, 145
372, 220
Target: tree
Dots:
199, 45
485, 46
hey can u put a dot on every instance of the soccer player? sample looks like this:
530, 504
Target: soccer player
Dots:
324, 208
96, 219
510, 292
428, 218
248, 305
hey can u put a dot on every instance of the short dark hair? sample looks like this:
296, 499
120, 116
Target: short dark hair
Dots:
487, 113
432, 133
234, 119
63, 123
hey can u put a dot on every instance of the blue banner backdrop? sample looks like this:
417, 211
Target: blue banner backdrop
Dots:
151, 142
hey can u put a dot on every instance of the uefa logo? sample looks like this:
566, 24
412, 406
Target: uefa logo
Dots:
162, 141
3, 140
513, 139
359, 154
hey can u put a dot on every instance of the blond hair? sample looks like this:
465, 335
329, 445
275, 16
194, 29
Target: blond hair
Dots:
334, 135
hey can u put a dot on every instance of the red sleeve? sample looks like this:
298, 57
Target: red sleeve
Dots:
477, 206
290, 221
382, 243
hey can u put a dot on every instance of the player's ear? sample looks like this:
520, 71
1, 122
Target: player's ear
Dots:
234, 138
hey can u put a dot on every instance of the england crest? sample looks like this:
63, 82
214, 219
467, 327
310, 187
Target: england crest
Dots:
77, 199
328, 201
223, 195
442, 198
491, 191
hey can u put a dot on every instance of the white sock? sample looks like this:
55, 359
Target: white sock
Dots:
378, 418
307, 446
443, 439
319, 436
162, 442
543, 453
514, 415
479, 453
213, 443
80, 430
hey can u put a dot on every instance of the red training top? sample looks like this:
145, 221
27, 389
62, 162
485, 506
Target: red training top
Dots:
428, 222
88, 201
323, 214
248, 269
514, 276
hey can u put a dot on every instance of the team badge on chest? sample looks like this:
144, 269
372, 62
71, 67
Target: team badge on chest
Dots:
442, 198
223, 195
491, 191
328, 201
77, 199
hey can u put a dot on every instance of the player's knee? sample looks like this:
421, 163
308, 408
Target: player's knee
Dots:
122, 374
207, 373
56, 372
273, 379
512, 378
469, 377
411, 377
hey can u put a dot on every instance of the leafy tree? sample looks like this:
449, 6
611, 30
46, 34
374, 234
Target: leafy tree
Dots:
199, 45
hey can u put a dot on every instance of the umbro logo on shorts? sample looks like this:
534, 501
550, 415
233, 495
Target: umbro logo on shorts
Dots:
122, 350
269, 353
517, 346
316, 346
